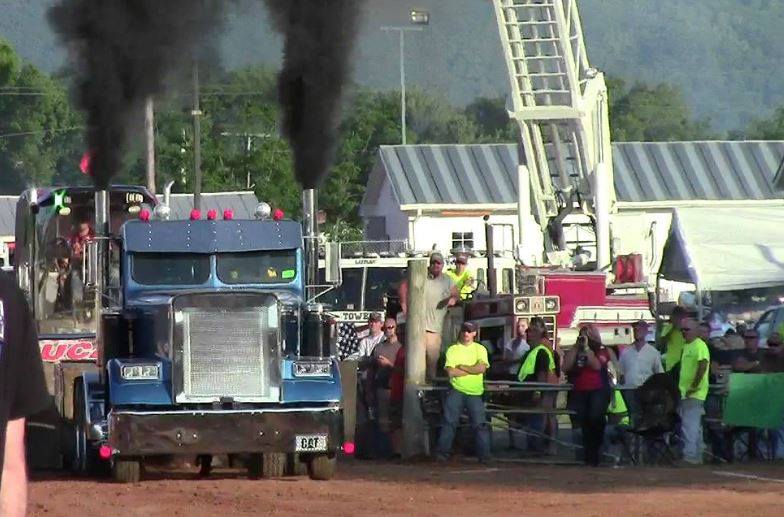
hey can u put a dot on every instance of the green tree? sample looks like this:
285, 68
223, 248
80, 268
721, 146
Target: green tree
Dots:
37, 125
491, 117
771, 128
652, 114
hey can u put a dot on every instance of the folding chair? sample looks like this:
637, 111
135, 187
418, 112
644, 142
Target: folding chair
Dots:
658, 400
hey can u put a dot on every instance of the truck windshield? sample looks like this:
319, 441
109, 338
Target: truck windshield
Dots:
257, 267
348, 295
170, 268
381, 285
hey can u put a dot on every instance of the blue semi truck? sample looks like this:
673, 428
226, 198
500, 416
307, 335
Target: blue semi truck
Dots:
205, 341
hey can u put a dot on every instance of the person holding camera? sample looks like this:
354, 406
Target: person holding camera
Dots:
586, 364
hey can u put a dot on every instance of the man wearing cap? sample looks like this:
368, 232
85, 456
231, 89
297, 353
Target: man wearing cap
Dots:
466, 364
440, 294
374, 337
461, 276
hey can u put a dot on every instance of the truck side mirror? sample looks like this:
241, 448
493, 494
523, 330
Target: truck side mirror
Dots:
332, 272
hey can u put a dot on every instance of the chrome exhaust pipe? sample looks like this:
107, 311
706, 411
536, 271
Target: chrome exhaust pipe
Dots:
310, 232
101, 266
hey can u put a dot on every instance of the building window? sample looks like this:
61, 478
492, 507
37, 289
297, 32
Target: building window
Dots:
462, 240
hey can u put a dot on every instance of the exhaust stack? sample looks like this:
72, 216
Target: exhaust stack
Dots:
101, 265
310, 231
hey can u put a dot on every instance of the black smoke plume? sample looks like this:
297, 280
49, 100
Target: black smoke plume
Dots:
319, 35
123, 51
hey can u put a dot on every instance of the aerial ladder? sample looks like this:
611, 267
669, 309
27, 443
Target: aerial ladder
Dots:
559, 103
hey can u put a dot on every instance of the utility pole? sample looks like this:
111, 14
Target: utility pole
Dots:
196, 112
413, 422
149, 130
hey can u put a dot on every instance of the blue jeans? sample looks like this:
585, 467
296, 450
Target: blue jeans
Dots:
691, 411
454, 402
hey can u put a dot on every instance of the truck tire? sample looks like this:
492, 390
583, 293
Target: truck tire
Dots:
126, 470
267, 465
273, 465
82, 457
295, 466
322, 467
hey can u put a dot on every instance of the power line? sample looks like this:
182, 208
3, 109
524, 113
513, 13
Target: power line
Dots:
42, 131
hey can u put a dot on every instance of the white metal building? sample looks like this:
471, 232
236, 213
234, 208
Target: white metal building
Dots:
435, 195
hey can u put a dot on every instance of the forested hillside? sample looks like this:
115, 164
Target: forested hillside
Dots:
724, 55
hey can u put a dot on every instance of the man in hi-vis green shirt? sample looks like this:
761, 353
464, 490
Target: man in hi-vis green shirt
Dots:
693, 385
466, 363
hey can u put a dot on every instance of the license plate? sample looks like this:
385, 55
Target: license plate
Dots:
311, 442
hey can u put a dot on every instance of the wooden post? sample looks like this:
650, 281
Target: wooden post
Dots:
414, 438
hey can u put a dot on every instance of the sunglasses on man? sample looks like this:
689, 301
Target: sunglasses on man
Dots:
390, 327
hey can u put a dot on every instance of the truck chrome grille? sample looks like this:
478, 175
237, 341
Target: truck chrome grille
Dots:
224, 353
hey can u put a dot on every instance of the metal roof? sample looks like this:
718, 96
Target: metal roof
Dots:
643, 171
670, 171
7, 215
242, 203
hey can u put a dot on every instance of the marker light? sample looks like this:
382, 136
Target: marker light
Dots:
277, 214
162, 212
349, 448
105, 452
212, 214
228, 215
144, 215
195, 215
263, 211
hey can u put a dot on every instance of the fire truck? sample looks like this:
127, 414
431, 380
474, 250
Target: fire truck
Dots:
178, 337
565, 175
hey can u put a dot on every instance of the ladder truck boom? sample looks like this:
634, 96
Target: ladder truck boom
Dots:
560, 105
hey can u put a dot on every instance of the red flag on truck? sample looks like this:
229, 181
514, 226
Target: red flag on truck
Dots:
84, 163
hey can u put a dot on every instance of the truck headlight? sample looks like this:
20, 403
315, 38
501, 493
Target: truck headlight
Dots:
140, 372
313, 369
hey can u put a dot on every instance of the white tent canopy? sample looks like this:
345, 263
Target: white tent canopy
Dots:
723, 249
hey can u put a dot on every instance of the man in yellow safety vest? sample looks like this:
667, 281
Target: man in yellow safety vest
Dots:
461, 276
540, 366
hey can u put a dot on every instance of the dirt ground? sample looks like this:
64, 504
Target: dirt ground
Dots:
456, 489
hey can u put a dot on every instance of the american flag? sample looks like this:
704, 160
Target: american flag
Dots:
348, 340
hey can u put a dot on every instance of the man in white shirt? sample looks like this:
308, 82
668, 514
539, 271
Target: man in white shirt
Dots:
515, 349
640, 360
369, 342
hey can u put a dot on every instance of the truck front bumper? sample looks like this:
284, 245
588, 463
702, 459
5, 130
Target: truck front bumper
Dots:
147, 433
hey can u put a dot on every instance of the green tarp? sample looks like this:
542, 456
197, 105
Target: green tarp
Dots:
755, 400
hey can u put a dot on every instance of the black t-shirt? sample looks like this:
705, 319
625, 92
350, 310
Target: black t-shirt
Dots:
22, 387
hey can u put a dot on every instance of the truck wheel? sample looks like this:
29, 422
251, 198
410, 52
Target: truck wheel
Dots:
125, 470
322, 467
266, 465
273, 465
295, 466
83, 458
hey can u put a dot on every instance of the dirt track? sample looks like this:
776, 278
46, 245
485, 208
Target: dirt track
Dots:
364, 488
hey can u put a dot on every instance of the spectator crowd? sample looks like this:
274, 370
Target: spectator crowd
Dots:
608, 389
